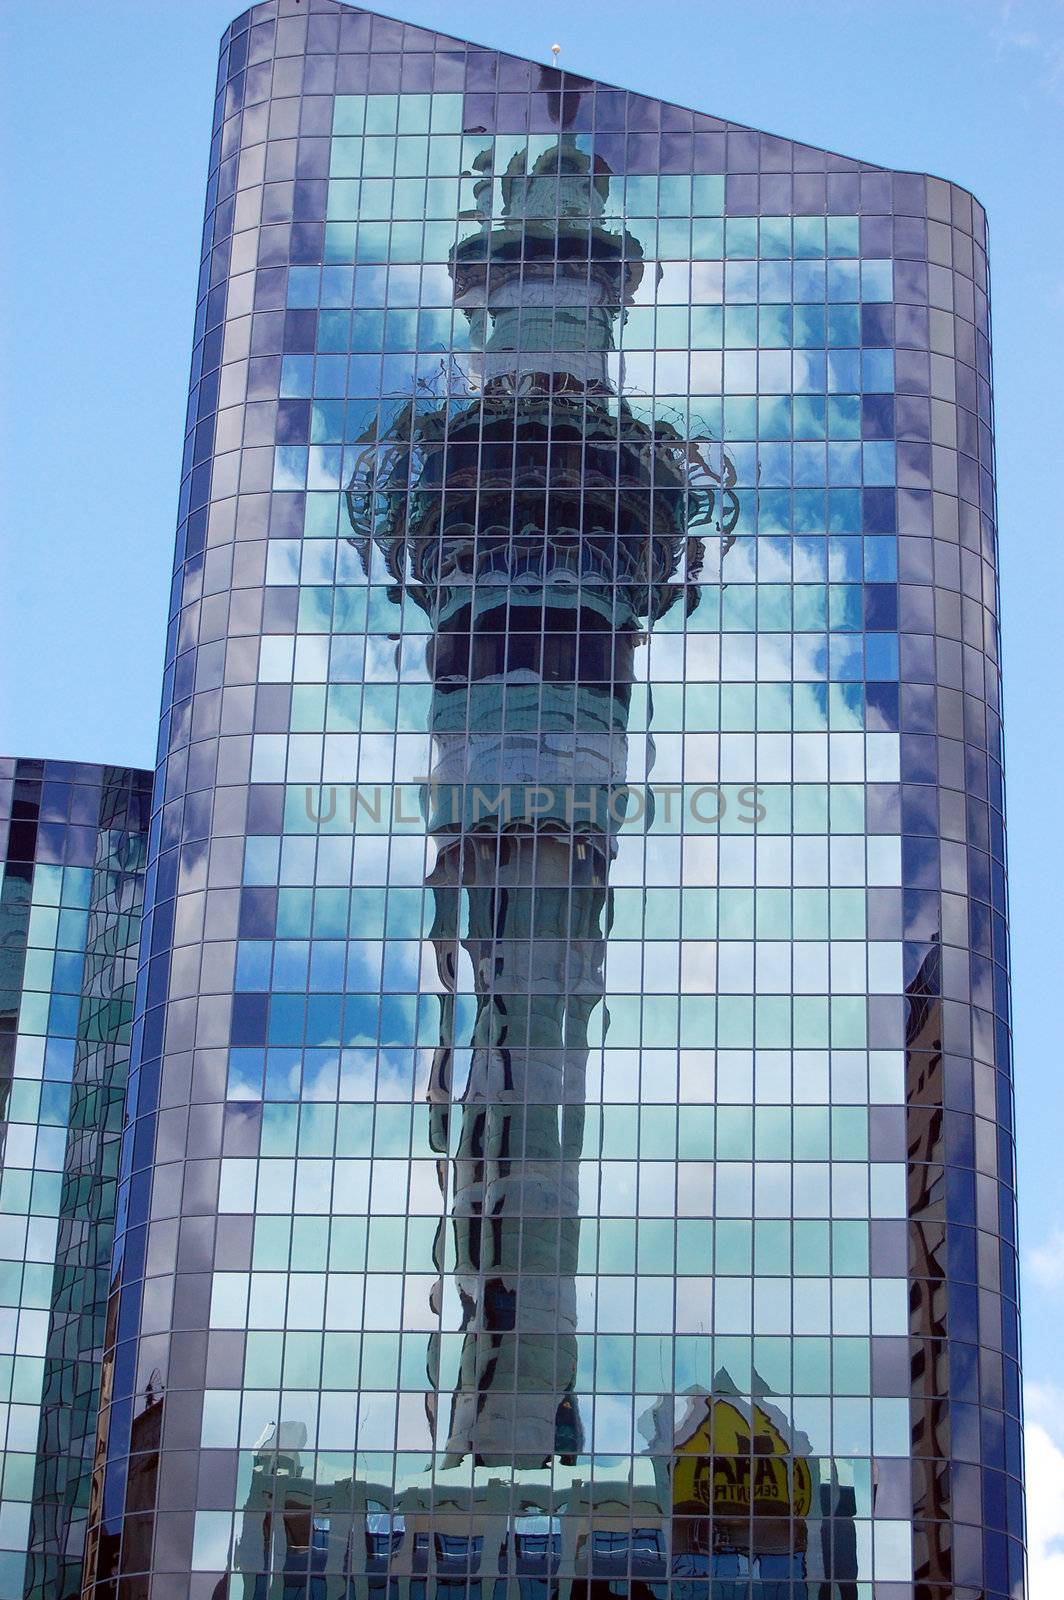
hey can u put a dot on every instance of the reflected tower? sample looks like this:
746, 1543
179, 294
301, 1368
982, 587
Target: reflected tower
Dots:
425, 263
543, 527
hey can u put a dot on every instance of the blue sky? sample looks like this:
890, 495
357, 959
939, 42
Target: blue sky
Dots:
107, 112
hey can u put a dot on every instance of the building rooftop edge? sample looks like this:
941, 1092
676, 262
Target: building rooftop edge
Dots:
727, 123
76, 761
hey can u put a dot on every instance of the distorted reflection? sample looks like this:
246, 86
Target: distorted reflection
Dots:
733, 1505
542, 527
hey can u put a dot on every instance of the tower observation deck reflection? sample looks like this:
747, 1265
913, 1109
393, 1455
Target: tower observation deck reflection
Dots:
543, 528
543, 525
400, 1269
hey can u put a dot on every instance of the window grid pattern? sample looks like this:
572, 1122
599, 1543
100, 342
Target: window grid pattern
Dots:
74, 840
747, 931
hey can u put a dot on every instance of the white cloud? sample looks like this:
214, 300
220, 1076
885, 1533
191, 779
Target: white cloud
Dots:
1043, 1405
1045, 1263
1045, 1503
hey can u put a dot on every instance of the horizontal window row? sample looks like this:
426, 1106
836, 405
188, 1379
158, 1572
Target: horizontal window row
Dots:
565, 664
69, 887
47, 1104
611, 1556
791, 628
28, 1193
735, 1021
785, 302
672, 708
729, 1249
323, 467
576, 649
602, 1363
693, 966
768, 1248
390, 113
380, 782
706, 707
681, 705
700, 418
402, 1064
357, 212
703, 418
642, 857
29, 1144
650, 859
610, 1424
634, 913
735, 1081
773, 1133
680, 782
734, 306
740, 376
423, 1301
689, 1188
661, 806
415, 238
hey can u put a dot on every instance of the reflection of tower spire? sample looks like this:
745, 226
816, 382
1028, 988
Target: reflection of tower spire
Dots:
564, 91
541, 526
550, 285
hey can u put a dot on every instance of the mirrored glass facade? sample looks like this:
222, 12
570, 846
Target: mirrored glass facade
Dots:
569, 1136
73, 843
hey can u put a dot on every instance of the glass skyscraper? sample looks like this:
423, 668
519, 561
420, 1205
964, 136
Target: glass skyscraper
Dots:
73, 842
568, 1138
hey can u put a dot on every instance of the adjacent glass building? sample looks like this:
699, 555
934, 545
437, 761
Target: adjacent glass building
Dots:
569, 1135
73, 843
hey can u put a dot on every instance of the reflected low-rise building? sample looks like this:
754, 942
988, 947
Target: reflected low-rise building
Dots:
568, 1137
725, 1505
